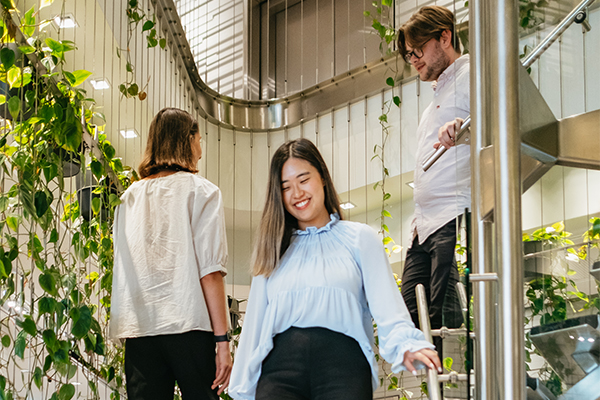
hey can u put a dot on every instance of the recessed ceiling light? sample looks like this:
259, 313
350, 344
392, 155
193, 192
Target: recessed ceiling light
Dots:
411, 185
347, 205
128, 133
65, 21
100, 83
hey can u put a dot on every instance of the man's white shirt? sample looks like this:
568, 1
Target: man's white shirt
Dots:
444, 191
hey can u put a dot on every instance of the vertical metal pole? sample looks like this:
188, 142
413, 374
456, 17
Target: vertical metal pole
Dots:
484, 293
504, 112
433, 384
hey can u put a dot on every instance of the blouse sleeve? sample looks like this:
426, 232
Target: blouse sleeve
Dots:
244, 370
397, 333
208, 231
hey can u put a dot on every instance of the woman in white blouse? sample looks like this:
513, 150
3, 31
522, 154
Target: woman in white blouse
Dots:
168, 298
319, 282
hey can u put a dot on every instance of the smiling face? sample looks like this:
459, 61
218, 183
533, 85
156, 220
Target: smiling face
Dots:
303, 193
435, 57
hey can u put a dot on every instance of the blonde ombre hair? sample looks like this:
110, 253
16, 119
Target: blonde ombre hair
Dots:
277, 224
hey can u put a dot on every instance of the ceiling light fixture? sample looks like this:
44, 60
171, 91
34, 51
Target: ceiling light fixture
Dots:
65, 21
128, 133
100, 83
347, 205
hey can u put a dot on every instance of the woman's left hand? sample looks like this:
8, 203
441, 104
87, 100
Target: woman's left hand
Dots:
427, 356
224, 364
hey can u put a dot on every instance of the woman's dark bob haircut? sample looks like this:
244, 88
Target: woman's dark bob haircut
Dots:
169, 144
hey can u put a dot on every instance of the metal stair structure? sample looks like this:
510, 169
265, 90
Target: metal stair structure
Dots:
511, 149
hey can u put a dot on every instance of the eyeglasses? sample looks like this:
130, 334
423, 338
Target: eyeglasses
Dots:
418, 53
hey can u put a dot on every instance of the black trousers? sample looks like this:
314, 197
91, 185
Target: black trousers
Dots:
433, 265
154, 363
315, 364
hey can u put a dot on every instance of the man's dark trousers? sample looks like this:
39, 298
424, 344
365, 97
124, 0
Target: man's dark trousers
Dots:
432, 263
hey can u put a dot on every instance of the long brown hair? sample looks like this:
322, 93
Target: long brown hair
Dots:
277, 224
426, 24
169, 143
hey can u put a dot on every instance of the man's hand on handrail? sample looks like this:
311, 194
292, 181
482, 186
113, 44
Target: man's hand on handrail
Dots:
447, 133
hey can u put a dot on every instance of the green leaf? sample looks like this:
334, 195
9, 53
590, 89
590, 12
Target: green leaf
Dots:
387, 196
386, 213
80, 76
96, 204
13, 222
133, 89
50, 340
46, 305
2, 99
390, 81
70, 77
97, 169
109, 151
448, 361
20, 344
387, 240
48, 283
83, 323
147, 26
7, 56
14, 107
53, 236
66, 392
397, 101
129, 67
113, 200
55, 46
28, 22
6, 341
27, 49
162, 43
28, 326
37, 377
41, 203
385, 228
3, 204
387, 3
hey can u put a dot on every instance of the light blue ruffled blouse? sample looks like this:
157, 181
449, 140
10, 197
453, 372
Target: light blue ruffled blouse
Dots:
336, 277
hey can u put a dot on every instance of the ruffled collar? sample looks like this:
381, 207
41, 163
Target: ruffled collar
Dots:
312, 230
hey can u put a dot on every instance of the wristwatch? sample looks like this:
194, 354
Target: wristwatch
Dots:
223, 338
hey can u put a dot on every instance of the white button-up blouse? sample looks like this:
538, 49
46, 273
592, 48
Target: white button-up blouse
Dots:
336, 277
169, 232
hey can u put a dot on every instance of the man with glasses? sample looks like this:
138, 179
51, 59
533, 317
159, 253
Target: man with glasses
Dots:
429, 43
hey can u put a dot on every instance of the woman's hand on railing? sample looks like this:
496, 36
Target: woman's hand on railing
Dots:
427, 356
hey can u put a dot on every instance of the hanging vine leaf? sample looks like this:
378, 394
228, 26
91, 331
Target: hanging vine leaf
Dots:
48, 283
41, 203
66, 392
80, 76
37, 377
28, 326
6, 341
20, 344
147, 26
7, 56
14, 107
83, 323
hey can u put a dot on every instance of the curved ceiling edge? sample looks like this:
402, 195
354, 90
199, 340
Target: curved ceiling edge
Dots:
265, 115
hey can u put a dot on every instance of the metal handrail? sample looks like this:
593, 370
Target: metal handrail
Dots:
529, 59
433, 384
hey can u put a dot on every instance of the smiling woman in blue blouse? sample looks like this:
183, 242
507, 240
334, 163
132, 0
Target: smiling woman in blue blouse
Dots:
318, 283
